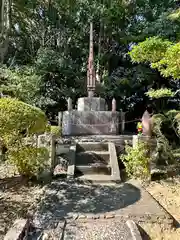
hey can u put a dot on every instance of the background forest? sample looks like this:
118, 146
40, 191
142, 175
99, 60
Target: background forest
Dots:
44, 48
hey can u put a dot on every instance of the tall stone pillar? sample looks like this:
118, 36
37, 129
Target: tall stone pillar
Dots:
122, 122
69, 101
114, 105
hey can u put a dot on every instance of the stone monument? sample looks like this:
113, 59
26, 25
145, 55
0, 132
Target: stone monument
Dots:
146, 124
91, 116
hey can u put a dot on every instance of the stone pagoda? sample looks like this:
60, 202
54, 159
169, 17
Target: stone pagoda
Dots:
91, 116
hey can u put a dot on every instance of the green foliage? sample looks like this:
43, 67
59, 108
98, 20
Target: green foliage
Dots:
151, 50
52, 38
137, 161
164, 155
160, 93
175, 15
169, 65
172, 114
56, 130
22, 83
19, 120
162, 54
30, 161
177, 119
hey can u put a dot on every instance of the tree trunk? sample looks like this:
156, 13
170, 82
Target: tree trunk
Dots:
6, 23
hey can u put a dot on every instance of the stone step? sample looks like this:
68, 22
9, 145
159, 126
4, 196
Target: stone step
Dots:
85, 158
94, 169
91, 146
96, 178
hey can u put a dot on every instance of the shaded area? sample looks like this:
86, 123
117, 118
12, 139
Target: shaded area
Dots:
17, 195
68, 198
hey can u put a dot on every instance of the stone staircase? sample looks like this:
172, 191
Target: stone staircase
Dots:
96, 162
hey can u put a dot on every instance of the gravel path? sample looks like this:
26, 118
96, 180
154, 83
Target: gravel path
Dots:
74, 200
97, 230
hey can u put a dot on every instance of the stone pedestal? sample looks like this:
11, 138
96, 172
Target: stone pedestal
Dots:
91, 104
90, 123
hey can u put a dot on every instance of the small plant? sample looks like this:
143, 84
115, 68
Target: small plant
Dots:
55, 130
136, 160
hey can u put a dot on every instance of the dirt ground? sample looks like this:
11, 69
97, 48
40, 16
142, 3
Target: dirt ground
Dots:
17, 197
167, 193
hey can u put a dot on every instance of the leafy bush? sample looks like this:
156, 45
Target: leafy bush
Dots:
177, 119
56, 130
19, 120
30, 161
136, 160
19, 117
164, 155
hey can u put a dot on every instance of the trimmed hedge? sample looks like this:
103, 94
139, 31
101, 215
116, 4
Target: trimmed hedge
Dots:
19, 120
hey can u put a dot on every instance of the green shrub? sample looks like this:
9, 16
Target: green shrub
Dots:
164, 155
19, 120
177, 119
55, 130
136, 160
17, 117
30, 161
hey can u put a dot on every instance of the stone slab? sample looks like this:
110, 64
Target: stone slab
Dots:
91, 104
89, 122
18, 230
134, 230
115, 172
73, 198
97, 230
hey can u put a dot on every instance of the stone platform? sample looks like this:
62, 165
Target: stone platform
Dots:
97, 230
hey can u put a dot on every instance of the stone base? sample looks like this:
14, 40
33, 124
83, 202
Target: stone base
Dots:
90, 123
91, 104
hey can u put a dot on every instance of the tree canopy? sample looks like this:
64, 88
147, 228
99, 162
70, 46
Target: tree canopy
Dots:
44, 50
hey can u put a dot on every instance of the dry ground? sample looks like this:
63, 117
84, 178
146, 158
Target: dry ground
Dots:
167, 193
17, 197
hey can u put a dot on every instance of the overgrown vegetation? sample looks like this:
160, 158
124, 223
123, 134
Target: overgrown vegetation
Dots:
137, 160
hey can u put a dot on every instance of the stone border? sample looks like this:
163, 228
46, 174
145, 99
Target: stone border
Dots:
134, 230
150, 218
19, 229
115, 172
72, 162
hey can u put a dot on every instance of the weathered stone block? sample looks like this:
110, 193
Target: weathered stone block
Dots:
91, 104
90, 122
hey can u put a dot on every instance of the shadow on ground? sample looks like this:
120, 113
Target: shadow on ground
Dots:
67, 198
17, 194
